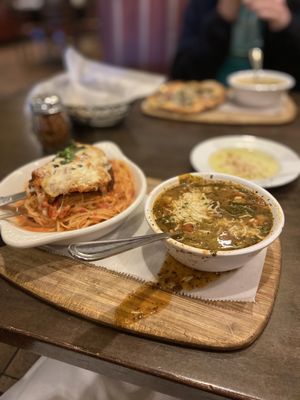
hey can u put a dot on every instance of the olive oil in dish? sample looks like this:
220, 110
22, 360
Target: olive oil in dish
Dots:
243, 162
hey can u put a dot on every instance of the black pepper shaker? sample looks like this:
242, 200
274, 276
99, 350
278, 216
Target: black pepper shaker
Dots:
51, 122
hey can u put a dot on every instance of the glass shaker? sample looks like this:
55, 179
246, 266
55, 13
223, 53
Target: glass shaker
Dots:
51, 122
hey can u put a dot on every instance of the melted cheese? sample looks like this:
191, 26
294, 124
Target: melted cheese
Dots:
87, 171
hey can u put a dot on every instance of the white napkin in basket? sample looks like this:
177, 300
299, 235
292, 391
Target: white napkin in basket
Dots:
90, 83
144, 263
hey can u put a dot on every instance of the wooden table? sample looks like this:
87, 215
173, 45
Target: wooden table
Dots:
268, 369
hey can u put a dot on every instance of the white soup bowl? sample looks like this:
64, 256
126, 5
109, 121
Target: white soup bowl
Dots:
206, 260
263, 88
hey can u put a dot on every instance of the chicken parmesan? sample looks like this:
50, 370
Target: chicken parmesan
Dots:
79, 187
78, 168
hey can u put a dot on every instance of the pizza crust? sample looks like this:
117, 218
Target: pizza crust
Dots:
187, 97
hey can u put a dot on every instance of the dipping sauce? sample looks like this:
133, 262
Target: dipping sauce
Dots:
246, 163
213, 215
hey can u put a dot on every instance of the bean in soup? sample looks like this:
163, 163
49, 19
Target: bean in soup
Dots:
213, 215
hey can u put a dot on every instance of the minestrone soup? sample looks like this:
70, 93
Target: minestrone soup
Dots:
213, 215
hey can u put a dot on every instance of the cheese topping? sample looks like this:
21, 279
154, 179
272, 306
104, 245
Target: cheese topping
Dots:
83, 168
194, 207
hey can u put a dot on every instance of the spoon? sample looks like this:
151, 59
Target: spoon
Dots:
98, 250
256, 60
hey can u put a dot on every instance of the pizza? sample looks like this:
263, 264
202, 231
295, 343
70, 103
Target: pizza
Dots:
187, 97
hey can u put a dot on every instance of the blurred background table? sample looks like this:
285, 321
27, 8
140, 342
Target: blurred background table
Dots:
268, 369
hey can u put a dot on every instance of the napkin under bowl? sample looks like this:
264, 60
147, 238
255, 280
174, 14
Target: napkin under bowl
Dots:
95, 93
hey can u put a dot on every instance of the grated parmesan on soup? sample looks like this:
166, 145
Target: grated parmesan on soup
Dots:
193, 207
213, 215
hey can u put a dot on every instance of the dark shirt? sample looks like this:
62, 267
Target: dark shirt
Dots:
205, 40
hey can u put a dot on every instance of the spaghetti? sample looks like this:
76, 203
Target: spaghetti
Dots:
78, 210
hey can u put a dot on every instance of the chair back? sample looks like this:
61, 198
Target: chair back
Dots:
141, 34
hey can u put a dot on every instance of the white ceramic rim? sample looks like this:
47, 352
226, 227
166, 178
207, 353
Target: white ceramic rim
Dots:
287, 158
288, 81
33, 239
250, 185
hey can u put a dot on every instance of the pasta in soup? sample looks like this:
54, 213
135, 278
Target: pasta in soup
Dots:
213, 215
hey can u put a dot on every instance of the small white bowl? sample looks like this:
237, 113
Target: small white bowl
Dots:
97, 116
15, 182
259, 94
202, 259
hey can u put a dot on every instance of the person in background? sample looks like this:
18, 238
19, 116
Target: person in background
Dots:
218, 34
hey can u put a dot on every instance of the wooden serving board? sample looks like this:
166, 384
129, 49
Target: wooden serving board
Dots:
223, 116
124, 303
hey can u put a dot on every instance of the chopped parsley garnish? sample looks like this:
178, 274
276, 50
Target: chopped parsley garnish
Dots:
68, 154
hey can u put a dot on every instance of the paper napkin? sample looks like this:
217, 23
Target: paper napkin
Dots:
144, 263
92, 83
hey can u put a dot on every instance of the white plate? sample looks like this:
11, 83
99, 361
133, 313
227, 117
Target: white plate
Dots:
288, 160
16, 181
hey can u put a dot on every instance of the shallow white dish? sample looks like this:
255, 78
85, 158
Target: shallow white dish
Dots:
259, 94
99, 117
15, 182
288, 160
205, 260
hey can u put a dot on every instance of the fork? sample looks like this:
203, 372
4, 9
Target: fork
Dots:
9, 214
4, 200
98, 250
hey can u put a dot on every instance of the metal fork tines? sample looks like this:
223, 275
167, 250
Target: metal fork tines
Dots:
9, 214
98, 250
